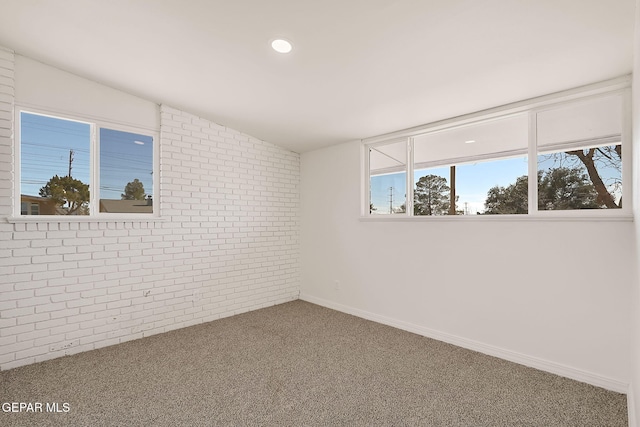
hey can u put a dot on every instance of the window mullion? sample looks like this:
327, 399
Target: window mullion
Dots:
367, 180
94, 168
533, 165
17, 153
409, 195
625, 141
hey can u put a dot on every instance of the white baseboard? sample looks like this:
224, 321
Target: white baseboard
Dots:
512, 356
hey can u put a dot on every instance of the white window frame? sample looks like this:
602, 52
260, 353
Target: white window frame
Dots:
620, 86
94, 168
367, 183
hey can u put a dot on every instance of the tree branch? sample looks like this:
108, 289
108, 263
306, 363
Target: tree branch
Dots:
604, 196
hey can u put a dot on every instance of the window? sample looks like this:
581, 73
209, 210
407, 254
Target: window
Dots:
72, 167
467, 170
557, 155
388, 178
580, 155
29, 208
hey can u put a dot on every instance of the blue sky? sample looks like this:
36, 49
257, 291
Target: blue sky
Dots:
47, 141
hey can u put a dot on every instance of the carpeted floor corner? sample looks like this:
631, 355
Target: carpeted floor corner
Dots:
299, 364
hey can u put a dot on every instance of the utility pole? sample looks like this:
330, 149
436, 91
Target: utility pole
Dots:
390, 200
452, 199
70, 161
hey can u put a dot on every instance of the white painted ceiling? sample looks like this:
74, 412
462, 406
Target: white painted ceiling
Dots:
359, 68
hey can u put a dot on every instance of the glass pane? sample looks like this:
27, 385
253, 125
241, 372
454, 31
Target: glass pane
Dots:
126, 172
489, 187
496, 187
54, 165
388, 178
584, 178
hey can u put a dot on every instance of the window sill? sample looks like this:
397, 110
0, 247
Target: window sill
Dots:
555, 216
83, 219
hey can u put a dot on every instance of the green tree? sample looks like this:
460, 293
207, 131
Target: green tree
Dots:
134, 190
512, 199
67, 191
566, 188
431, 196
558, 189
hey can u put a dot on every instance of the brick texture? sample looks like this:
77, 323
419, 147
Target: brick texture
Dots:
227, 242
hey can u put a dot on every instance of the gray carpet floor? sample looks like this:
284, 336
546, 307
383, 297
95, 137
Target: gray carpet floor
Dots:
298, 364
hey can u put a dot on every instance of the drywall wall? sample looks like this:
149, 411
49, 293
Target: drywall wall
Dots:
550, 294
226, 241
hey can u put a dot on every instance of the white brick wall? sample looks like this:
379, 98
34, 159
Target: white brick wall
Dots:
228, 243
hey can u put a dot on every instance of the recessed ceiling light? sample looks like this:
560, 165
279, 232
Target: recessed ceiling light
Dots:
138, 142
470, 141
281, 46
